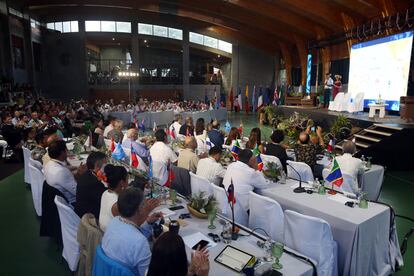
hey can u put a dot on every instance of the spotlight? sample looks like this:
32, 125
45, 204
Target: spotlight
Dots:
113, 38
145, 41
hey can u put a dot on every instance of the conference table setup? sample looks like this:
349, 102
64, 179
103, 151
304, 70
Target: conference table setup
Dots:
166, 117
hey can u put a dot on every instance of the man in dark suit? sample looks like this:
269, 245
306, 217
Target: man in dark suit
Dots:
215, 136
90, 189
275, 149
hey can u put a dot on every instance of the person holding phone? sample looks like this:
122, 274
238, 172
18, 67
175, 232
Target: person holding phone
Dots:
169, 258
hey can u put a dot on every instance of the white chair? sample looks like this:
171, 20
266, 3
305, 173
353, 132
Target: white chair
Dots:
357, 104
333, 105
261, 209
240, 215
69, 222
349, 184
343, 105
303, 169
200, 184
313, 238
26, 159
36, 164
270, 158
37, 187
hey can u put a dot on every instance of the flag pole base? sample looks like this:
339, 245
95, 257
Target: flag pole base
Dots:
299, 190
332, 192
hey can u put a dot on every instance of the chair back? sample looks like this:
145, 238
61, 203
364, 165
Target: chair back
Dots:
312, 237
359, 102
50, 222
105, 266
302, 168
343, 105
240, 215
36, 164
181, 182
349, 184
270, 158
200, 184
37, 187
333, 105
261, 208
69, 225
26, 159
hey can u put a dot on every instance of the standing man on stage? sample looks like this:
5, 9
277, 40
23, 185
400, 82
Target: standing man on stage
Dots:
327, 90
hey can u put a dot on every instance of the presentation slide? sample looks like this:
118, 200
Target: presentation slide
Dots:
379, 68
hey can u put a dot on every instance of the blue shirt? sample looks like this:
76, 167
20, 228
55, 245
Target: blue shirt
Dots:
140, 149
128, 245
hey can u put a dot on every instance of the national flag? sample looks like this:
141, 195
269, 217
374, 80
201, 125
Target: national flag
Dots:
260, 101
254, 99
256, 152
171, 132
150, 173
239, 100
112, 148
230, 193
246, 104
275, 97
331, 145
154, 128
227, 127
171, 176
118, 153
209, 144
335, 176
134, 159
235, 150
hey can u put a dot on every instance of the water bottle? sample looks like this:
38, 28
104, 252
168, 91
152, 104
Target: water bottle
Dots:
316, 184
282, 179
363, 161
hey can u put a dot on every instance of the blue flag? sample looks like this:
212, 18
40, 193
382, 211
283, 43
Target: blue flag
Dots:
227, 127
150, 173
118, 153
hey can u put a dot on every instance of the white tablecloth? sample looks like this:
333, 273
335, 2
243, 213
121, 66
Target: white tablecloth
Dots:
362, 234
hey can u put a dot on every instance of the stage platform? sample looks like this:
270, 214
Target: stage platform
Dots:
325, 117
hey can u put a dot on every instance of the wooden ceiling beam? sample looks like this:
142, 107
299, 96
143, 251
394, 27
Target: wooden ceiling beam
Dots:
362, 8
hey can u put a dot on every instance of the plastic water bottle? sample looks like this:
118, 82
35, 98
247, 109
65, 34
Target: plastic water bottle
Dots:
363, 158
282, 179
316, 184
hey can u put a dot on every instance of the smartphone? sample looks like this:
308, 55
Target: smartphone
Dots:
175, 208
202, 244
313, 129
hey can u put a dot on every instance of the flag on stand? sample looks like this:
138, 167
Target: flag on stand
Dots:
260, 101
335, 176
239, 100
275, 97
227, 127
209, 144
112, 145
230, 193
331, 145
118, 153
171, 132
256, 152
154, 128
150, 172
235, 150
134, 159
254, 99
247, 107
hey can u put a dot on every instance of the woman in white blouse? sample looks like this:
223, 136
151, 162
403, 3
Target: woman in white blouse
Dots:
117, 179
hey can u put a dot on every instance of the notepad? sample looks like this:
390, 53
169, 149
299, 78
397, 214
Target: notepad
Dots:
234, 258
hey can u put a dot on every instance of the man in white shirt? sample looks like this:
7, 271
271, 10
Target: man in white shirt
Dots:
327, 90
57, 174
176, 125
162, 155
109, 127
210, 168
347, 163
245, 177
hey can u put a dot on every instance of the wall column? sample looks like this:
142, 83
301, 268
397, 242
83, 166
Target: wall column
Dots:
186, 64
134, 51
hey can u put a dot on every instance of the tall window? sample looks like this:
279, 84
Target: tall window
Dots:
64, 27
107, 26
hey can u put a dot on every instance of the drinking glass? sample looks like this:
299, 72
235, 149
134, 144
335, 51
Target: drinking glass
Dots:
322, 189
173, 196
369, 164
363, 203
277, 251
211, 217
267, 248
227, 232
164, 195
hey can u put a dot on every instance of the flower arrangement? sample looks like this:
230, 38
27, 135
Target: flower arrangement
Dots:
201, 204
272, 171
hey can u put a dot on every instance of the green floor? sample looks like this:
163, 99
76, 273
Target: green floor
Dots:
23, 252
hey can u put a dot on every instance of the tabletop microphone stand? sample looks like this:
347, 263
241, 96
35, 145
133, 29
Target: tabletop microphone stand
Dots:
299, 189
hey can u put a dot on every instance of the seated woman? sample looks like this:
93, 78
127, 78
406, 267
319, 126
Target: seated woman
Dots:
255, 140
97, 135
117, 179
116, 133
169, 258
233, 135
200, 135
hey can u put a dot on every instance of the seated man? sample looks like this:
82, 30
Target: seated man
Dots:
57, 174
162, 155
187, 158
306, 151
245, 177
126, 237
13, 134
275, 149
90, 189
131, 142
215, 136
347, 163
210, 168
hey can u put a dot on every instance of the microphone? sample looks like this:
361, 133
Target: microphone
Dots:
299, 189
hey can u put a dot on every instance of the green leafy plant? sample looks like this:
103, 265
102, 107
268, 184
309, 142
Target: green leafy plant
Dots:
341, 128
272, 171
203, 204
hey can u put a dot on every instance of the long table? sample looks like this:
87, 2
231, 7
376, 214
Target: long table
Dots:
166, 117
362, 234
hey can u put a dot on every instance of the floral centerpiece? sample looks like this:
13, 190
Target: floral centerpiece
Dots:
272, 171
200, 205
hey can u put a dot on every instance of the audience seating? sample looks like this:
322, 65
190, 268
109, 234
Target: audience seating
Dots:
303, 169
200, 184
312, 237
69, 225
261, 209
37, 187
26, 160
105, 266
